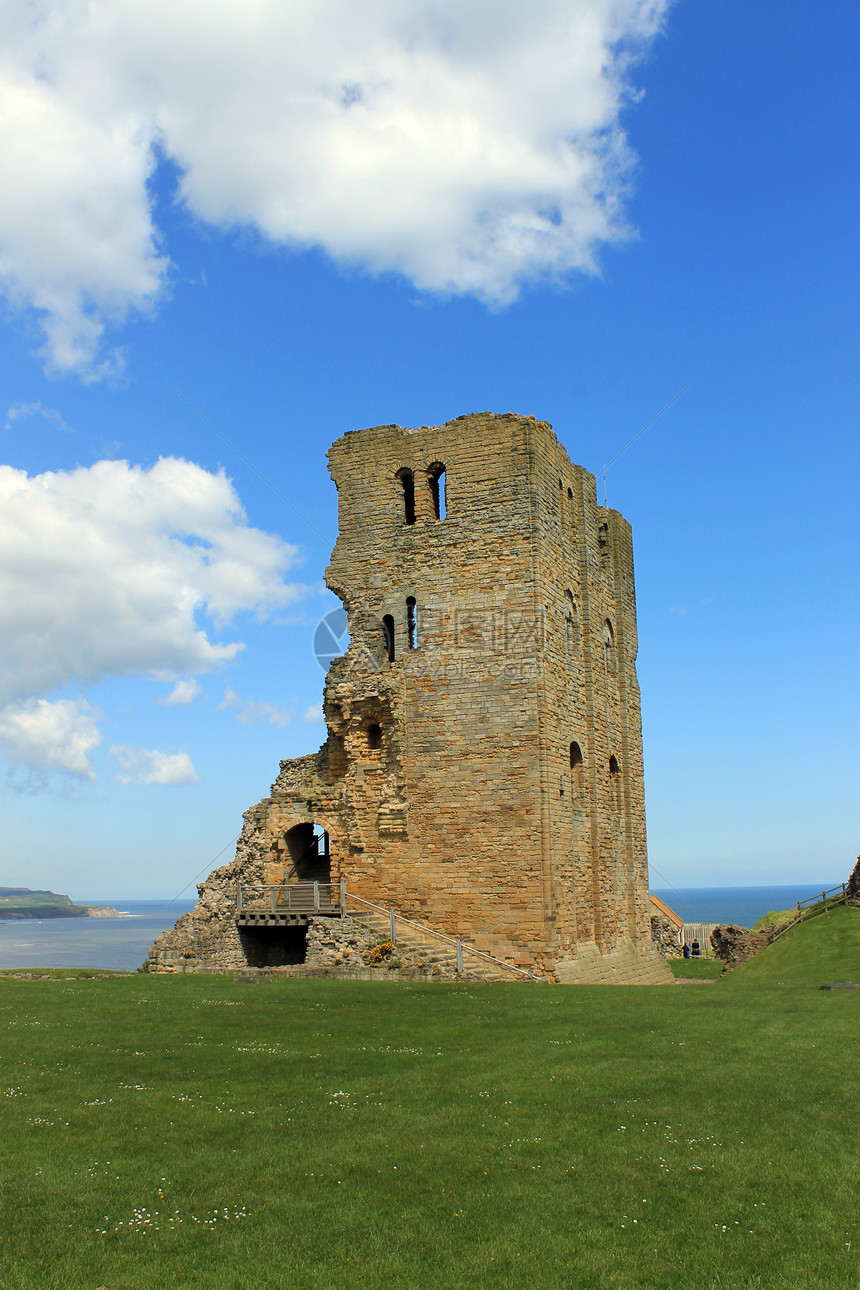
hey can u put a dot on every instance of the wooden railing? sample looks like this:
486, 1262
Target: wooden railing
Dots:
811, 908
289, 898
418, 940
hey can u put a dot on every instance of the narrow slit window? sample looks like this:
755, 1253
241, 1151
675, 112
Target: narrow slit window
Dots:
569, 617
374, 736
436, 475
411, 622
577, 778
609, 658
407, 483
388, 636
615, 782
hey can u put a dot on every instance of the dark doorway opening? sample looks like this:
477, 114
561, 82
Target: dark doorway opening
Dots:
284, 946
309, 852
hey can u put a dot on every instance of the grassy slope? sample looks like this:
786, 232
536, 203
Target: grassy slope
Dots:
827, 948
24, 895
330, 1135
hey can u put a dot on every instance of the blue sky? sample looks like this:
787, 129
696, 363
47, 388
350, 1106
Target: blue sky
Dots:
287, 302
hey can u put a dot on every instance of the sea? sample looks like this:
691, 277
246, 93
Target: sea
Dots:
122, 943
118, 943
741, 905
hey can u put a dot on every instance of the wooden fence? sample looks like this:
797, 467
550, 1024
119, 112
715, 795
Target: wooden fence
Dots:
700, 932
811, 908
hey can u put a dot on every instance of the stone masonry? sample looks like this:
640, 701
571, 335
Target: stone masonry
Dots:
482, 771
735, 945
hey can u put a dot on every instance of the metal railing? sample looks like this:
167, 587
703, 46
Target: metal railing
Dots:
332, 899
811, 908
420, 938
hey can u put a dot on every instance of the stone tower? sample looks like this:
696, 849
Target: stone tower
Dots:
482, 770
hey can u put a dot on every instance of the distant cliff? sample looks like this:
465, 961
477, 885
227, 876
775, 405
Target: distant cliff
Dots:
21, 902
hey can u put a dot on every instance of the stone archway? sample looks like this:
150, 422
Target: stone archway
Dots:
309, 851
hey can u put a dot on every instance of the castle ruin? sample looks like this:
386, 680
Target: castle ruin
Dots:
482, 771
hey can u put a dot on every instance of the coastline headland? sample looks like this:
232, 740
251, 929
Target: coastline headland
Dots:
22, 902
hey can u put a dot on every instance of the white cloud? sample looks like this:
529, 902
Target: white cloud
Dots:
248, 711
45, 736
471, 147
314, 714
182, 694
149, 766
107, 571
19, 410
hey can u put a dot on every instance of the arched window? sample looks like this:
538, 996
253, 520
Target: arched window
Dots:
407, 483
388, 635
609, 659
614, 768
374, 736
436, 477
411, 622
575, 755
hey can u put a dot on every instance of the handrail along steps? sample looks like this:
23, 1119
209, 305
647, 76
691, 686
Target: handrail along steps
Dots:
334, 900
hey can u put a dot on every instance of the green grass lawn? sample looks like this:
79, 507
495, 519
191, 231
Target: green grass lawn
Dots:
200, 1132
696, 969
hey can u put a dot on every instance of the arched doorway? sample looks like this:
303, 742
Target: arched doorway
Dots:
310, 853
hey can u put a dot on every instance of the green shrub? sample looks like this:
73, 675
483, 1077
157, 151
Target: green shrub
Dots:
773, 918
381, 953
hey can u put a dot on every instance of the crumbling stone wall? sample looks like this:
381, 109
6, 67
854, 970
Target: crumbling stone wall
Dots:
335, 946
664, 937
734, 945
852, 890
482, 770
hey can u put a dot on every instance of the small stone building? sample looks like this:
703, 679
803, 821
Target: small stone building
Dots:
482, 771
667, 929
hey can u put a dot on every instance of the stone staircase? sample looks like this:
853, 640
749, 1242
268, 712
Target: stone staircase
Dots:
420, 943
